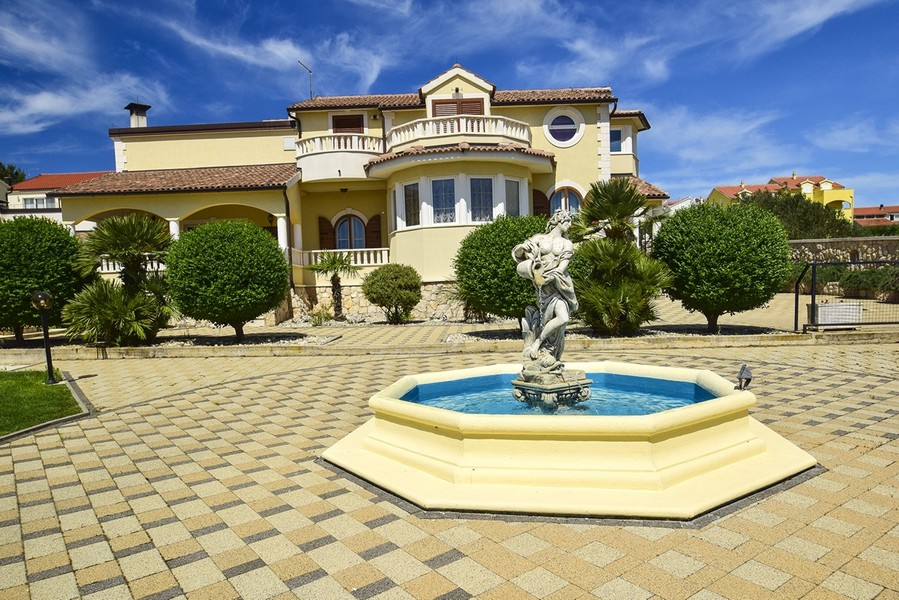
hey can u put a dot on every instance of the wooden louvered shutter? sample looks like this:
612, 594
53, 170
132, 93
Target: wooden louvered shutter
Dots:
327, 240
541, 203
373, 232
347, 124
472, 106
445, 108
448, 108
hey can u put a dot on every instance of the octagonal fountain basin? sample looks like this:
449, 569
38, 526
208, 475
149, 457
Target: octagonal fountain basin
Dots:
676, 463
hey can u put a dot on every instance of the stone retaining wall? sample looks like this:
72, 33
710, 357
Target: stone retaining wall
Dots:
845, 249
436, 303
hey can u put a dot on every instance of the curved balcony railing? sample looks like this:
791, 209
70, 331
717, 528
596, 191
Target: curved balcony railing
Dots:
475, 128
339, 142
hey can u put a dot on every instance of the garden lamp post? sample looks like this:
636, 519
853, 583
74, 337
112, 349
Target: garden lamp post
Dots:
43, 302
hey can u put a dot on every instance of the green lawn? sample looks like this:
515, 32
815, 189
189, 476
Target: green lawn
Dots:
25, 400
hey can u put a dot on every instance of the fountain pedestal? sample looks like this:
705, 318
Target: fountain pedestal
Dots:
551, 390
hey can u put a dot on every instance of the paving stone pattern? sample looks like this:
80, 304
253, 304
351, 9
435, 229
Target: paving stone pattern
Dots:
201, 478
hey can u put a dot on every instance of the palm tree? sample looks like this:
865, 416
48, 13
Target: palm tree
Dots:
135, 311
132, 241
335, 265
611, 207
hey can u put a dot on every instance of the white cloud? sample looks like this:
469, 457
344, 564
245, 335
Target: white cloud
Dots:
31, 37
769, 24
23, 111
856, 133
403, 7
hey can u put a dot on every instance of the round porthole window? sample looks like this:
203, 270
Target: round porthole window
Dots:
563, 126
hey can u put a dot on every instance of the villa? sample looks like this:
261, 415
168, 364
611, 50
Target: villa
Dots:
388, 177
816, 188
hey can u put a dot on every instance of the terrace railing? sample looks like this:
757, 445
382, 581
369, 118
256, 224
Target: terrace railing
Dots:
474, 128
361, 257
846, 295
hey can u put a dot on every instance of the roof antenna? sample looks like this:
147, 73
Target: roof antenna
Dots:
310, 77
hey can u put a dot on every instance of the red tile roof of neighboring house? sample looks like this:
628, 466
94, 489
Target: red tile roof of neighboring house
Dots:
731, 191
52, 181
647, 189
462, 147
204, 179
875, 222
414, 100
794, 181
862, 211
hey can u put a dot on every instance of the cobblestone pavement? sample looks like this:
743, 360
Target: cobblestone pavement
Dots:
201, 478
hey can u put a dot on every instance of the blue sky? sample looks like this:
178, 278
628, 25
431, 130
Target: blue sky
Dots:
734, 90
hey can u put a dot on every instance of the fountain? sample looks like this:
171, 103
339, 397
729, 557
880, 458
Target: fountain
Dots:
552, 458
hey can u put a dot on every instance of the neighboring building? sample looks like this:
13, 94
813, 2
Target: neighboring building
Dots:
390, 177
4, 190
816, 188
873, 216
36, 196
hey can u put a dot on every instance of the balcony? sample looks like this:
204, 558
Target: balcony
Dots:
474, 129
361, 257
336, 156
366, 259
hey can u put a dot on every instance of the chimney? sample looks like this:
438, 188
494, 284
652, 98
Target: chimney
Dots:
794, 174
138, 114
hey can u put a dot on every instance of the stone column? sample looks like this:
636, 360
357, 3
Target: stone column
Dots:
174, 228
282, 231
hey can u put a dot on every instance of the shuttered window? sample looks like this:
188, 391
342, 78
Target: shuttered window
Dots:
461, 106
347, 124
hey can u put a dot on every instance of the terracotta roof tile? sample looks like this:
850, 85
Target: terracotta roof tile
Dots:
731, 191
793, 182
875, 222
365, 101
875, 210
52, 181
602, 94
463, 147
245, 177
647, 189
501, 97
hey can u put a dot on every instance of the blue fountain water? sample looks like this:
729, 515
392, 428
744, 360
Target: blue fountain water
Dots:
612, 395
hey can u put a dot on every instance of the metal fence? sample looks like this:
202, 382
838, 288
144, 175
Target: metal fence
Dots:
846, 295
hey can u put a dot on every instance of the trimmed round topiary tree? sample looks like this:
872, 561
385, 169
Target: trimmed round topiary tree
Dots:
723, 259
485, 271
227, 272
395, 288
35, 255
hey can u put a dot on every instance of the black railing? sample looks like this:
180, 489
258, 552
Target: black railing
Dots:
848, 294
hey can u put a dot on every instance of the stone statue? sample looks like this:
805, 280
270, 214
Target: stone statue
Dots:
543, 259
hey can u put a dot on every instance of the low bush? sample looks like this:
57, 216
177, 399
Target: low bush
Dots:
862, 283
227, 272
36, 254
485, 272
723, 259
395, 288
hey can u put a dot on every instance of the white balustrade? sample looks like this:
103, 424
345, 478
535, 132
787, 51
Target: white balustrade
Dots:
476, 126
110, 267
361, 257
339, 142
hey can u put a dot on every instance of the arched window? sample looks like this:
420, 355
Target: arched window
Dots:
566, 198
350, 233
